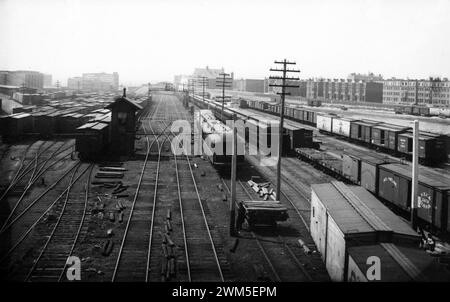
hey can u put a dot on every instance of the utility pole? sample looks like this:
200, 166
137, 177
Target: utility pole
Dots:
284, 78
224, 82
203, 81
233, 180
415, 174
193, 87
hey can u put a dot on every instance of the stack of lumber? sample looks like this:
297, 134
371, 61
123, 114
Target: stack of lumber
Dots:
263, 189
110, 172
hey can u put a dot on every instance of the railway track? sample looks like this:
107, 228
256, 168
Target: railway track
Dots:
22, 203
272, 245
206, 260
30, 220
50, 265
135, 249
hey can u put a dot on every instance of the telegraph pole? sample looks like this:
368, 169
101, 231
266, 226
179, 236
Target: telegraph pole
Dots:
223, 82
233, 180
415, 174
284, 78
203, 81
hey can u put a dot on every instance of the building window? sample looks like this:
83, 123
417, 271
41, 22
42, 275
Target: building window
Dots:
122, 117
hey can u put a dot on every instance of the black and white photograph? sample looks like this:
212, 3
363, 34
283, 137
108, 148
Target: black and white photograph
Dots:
211, 148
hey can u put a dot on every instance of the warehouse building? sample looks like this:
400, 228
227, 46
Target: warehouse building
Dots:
355, 232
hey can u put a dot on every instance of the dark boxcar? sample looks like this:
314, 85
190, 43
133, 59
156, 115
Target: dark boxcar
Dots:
431, 146
243, 103
362, 168
362, 130
386, 135
424, 111
91, 140
433, 192
43, 123
415, 110
298, 137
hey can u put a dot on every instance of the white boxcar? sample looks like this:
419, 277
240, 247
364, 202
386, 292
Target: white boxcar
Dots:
325, 122
341, 126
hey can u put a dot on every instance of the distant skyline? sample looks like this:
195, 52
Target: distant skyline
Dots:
154, 40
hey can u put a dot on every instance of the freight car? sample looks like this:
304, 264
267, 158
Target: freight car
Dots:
384, 137
390, 180
218, 138
412, 110
92, 140
433, 194
13, 127
431, 147
347, 216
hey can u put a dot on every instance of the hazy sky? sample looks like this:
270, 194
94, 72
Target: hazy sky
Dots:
153, 40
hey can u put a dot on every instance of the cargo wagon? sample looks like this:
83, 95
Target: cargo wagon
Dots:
433, 193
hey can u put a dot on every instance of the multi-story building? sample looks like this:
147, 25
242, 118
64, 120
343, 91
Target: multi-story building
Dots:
22, 78
370, 77
48, 80
433, 91
292, 91
249, 85
75, 83
209, 73
344, 90
100, 81
181, 81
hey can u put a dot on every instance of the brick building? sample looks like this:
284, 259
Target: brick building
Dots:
433, 91
344, 90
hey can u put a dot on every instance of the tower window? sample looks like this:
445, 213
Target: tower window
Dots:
122, 117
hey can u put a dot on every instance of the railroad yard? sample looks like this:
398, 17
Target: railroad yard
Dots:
55, 210
157, 216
